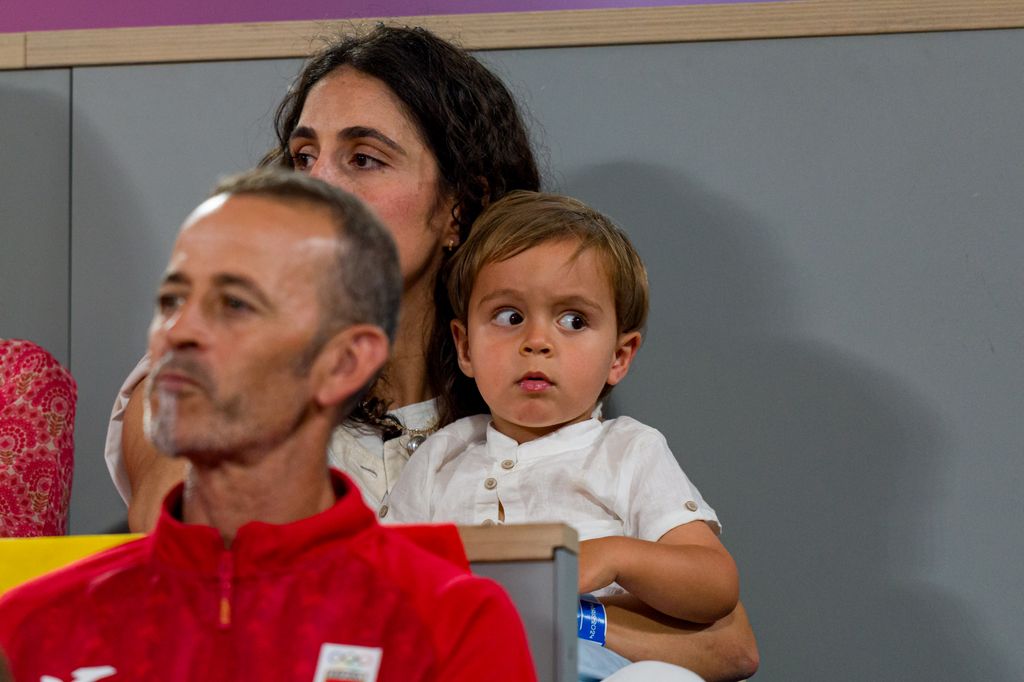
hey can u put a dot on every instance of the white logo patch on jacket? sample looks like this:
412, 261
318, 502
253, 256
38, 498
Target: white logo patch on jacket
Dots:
347, 663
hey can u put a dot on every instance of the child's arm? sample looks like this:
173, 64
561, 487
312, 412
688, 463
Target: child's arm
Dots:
725, 650
686, 574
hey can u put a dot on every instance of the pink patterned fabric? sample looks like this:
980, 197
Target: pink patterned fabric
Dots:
37, 420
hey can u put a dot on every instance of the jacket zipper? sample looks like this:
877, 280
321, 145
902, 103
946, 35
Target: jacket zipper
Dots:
226, 571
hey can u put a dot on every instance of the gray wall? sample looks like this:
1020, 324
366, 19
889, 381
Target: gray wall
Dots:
835, 233
836, 348
148, 144
35, 147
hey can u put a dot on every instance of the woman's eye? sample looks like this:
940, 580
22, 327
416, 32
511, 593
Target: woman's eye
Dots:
572, 321
365, 161
303, 161
508, 317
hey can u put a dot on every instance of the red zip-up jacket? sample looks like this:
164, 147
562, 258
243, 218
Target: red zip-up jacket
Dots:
331, 597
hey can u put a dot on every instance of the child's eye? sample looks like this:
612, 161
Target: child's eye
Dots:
572, 321
508, 317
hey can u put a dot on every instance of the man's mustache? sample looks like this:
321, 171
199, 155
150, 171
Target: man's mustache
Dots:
185, 366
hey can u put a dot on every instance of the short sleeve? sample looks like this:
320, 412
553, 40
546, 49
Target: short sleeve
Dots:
654, 493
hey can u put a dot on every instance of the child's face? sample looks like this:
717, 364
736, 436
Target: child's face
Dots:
541, 338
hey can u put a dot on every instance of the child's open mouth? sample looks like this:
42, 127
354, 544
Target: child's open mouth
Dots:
535, 382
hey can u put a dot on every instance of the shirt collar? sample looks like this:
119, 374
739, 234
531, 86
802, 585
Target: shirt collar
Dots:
573, 437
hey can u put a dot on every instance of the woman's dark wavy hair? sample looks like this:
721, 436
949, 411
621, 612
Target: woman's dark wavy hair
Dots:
471, 123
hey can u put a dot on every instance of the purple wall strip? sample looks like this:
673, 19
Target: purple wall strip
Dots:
34, 15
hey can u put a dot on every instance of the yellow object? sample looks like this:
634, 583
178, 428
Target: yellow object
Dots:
22, 559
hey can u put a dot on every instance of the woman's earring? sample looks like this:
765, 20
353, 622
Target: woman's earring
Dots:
449, 248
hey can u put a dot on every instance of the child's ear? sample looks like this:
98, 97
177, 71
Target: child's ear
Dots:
625, 351
461, 337
347, 362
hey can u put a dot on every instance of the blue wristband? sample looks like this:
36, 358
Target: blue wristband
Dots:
591, 622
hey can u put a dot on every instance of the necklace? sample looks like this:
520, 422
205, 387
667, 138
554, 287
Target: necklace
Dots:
417, 436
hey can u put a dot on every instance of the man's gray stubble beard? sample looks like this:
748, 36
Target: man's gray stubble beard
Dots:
159, 428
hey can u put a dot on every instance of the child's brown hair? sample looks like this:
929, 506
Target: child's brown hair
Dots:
522, 220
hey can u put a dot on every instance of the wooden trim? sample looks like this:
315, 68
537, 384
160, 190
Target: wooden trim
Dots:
527, 542
787, 18
12, 50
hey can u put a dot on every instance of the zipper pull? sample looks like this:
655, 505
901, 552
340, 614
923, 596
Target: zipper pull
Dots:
226, 570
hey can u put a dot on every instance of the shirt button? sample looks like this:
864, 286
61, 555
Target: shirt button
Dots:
507, 464
491, 484
691, 505
383, 511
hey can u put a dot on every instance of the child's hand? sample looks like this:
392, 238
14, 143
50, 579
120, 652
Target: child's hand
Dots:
598, 563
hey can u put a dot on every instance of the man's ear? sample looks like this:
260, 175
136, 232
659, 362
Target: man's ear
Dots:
347, 363
625, 351
461, 337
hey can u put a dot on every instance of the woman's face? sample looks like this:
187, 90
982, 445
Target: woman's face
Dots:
354, 133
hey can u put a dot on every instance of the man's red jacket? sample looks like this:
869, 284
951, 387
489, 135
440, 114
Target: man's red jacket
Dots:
331, 597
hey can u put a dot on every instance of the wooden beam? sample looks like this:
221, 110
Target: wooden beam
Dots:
12, 50
792, 18
527, 542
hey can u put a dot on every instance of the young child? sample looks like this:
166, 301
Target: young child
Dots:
550, 299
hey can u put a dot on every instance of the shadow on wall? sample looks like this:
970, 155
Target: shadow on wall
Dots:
825, 470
